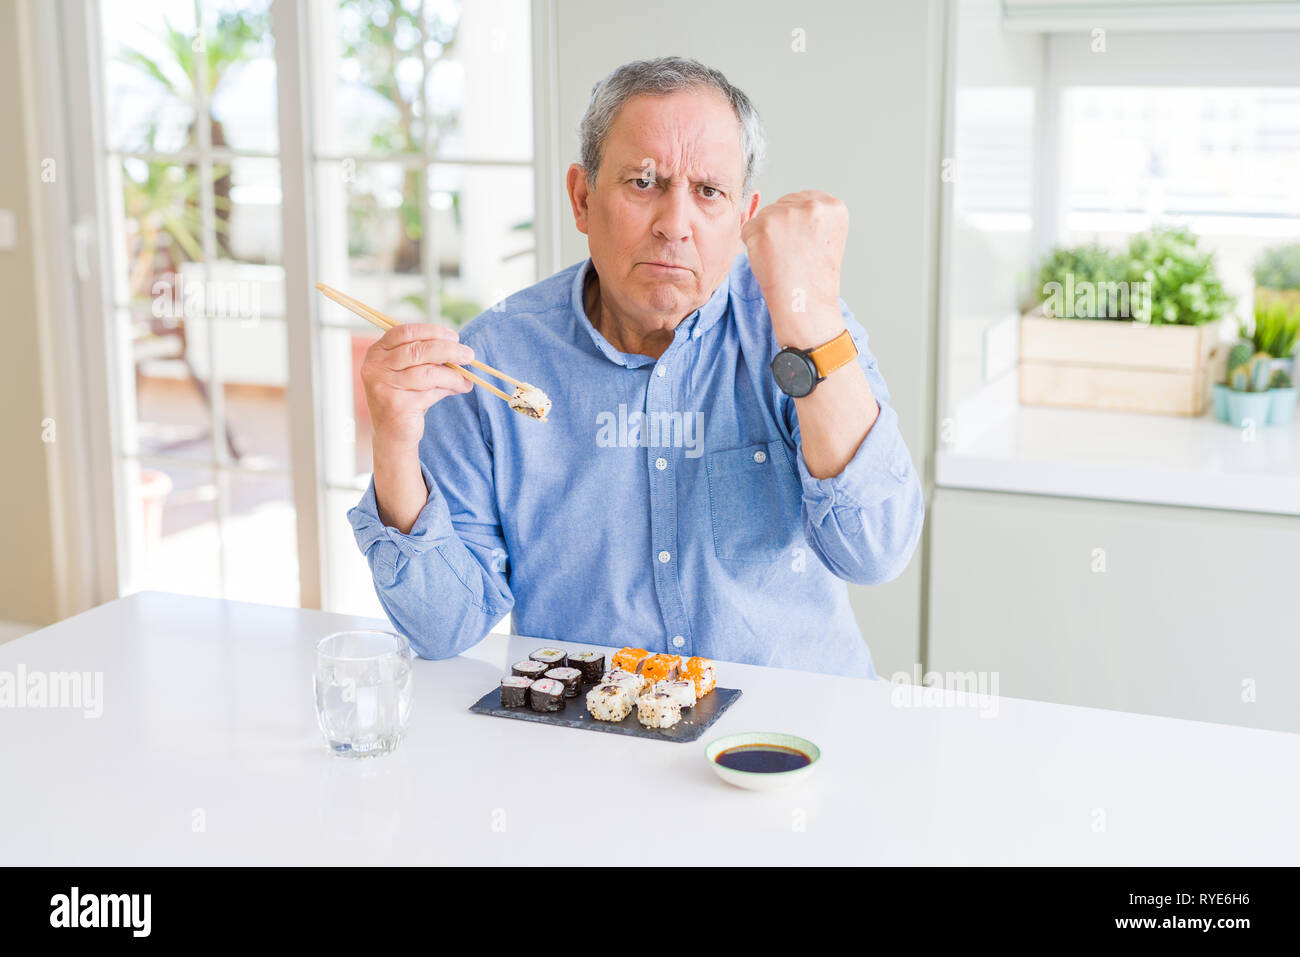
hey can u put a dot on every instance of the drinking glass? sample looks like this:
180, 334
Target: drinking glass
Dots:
363, 691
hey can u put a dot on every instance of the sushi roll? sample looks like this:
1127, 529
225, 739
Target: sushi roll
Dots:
683, 692
661, 668
514, 691
700, 671
658, 710
628, 659
609, 703
634, 684
546, 694
551, 657
590, 663
569, 677
532, 670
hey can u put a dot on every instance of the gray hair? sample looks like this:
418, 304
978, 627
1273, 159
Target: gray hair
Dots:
661, 77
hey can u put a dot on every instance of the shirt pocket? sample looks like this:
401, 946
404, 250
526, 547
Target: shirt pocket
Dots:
754, 502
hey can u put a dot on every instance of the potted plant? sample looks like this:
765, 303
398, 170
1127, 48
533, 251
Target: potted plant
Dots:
1166, 302
1282, 389
1277, 327
1249, 400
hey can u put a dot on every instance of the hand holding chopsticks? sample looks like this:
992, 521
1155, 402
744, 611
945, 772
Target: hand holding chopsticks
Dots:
527, 399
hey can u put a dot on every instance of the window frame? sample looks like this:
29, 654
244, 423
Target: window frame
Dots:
94, 499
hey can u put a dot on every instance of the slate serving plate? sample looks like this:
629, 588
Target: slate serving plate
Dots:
695, 721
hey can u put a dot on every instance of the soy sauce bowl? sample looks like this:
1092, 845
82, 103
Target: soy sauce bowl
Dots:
786, 748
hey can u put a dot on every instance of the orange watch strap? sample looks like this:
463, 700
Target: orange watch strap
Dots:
829, 356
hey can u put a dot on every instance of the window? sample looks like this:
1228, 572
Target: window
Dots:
421, 170
1221, 160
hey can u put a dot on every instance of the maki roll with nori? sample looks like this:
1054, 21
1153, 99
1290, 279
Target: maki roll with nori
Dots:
532, 670
514, 691
569, 677
590, 663
551, 657
546, 694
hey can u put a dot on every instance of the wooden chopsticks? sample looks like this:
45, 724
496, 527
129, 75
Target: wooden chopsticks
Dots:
387, 322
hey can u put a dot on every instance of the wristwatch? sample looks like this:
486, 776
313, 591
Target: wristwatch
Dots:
797, 371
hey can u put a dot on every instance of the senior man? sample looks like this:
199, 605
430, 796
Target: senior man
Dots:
721, 456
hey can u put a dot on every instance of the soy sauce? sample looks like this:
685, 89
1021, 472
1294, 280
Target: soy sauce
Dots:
763, 758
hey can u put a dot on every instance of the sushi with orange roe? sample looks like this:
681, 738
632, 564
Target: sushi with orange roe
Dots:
700, 672
661, 668
628, 659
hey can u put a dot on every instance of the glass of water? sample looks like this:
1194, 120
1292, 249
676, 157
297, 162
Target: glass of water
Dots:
363, 691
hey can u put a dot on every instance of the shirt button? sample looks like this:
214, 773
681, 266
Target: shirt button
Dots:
678, 641
661, 371
760, 457
663, 557
661, 464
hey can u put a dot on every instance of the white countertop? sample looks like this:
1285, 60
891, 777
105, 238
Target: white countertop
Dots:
208, 705
1164, 460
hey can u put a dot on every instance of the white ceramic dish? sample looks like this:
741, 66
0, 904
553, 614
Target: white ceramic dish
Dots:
762, 780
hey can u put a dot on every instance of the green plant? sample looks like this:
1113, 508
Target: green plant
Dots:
1162, 278
1280, 380
1279, 267
1254, 375
1069, 268
1277, 326
1185, 286
1238, 356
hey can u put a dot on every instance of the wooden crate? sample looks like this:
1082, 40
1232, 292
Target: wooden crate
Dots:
1117, 365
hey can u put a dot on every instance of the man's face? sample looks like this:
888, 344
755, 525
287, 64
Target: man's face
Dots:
668, 191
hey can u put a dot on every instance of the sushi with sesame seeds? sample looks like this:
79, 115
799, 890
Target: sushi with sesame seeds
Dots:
658, 710
609, 703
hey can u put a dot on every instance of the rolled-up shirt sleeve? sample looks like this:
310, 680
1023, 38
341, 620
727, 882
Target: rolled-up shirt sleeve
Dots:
445, 583
865, 522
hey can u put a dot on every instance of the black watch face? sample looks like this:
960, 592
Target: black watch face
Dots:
794, 372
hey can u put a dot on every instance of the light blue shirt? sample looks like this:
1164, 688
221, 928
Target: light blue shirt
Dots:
664, 504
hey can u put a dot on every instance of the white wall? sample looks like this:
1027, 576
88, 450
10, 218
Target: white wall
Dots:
855, 115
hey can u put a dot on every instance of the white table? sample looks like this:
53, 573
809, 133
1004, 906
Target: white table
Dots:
208, 716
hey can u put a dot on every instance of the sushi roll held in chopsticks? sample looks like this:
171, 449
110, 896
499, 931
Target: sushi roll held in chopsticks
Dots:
609, 703
546, 694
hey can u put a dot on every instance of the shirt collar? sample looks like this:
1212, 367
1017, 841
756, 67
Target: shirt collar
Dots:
695, 325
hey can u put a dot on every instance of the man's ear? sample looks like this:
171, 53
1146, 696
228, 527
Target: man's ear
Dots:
747, 211
575, 183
